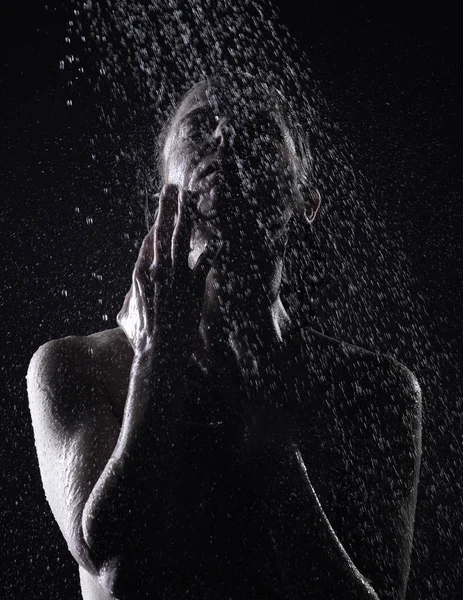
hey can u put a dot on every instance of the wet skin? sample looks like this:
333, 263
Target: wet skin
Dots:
221, 155
222, 452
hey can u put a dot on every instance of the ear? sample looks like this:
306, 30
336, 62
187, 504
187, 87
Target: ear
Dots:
311, 204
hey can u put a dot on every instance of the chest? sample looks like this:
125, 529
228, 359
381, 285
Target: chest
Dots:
336, 426
220, 529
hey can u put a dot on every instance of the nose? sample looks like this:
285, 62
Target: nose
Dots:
224, 132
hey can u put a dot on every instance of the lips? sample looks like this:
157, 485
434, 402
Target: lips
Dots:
205, 183
207, 209
205, 173
212, 168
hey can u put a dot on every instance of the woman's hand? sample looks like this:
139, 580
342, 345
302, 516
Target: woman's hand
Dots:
162, 310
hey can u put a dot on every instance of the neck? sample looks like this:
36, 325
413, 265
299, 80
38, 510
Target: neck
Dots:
244, 301
261, 327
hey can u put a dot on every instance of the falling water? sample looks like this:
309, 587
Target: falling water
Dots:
144, 57
147, 55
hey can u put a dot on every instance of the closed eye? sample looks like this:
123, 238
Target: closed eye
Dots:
197, 125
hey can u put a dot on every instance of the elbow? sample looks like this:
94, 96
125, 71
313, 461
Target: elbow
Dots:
103, 518
106, 538
98, 537
82, 546
111, 570
107, 572
95, 558
81, 555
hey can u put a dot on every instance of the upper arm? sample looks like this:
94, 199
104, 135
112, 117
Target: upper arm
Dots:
74, 430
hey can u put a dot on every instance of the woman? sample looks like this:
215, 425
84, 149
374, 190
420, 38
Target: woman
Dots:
210, 447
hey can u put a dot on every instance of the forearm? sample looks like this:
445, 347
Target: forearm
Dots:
135, 478
160, 316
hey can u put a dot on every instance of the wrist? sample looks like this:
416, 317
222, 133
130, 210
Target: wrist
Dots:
165, 345
160, 364
156, 388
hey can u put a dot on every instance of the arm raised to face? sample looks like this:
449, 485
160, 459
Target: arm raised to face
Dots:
107, 481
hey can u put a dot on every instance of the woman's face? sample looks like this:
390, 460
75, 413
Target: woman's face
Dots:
239, 161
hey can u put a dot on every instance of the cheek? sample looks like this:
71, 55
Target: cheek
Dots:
279, 182
171, 167
180, 165
176, 170
273, 161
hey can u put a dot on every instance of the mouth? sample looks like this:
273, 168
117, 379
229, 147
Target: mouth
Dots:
207, 176
206, 182
209, 170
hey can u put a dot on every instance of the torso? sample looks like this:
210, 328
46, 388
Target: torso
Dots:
318, 407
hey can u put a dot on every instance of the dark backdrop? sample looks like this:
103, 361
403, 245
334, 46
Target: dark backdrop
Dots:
393, 80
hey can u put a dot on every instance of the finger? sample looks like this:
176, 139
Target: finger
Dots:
182, 232
146, 252
164, 225
142, 305
151, 210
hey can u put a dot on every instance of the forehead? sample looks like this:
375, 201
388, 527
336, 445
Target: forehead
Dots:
225, 100
195, 99
247, 102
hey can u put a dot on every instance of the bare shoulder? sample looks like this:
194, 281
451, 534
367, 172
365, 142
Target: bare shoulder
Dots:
75, 423
101, 360
360, 376
360, 437
82, 354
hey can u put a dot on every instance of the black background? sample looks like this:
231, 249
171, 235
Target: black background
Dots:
393, 78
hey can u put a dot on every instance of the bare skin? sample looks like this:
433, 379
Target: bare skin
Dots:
207, 448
